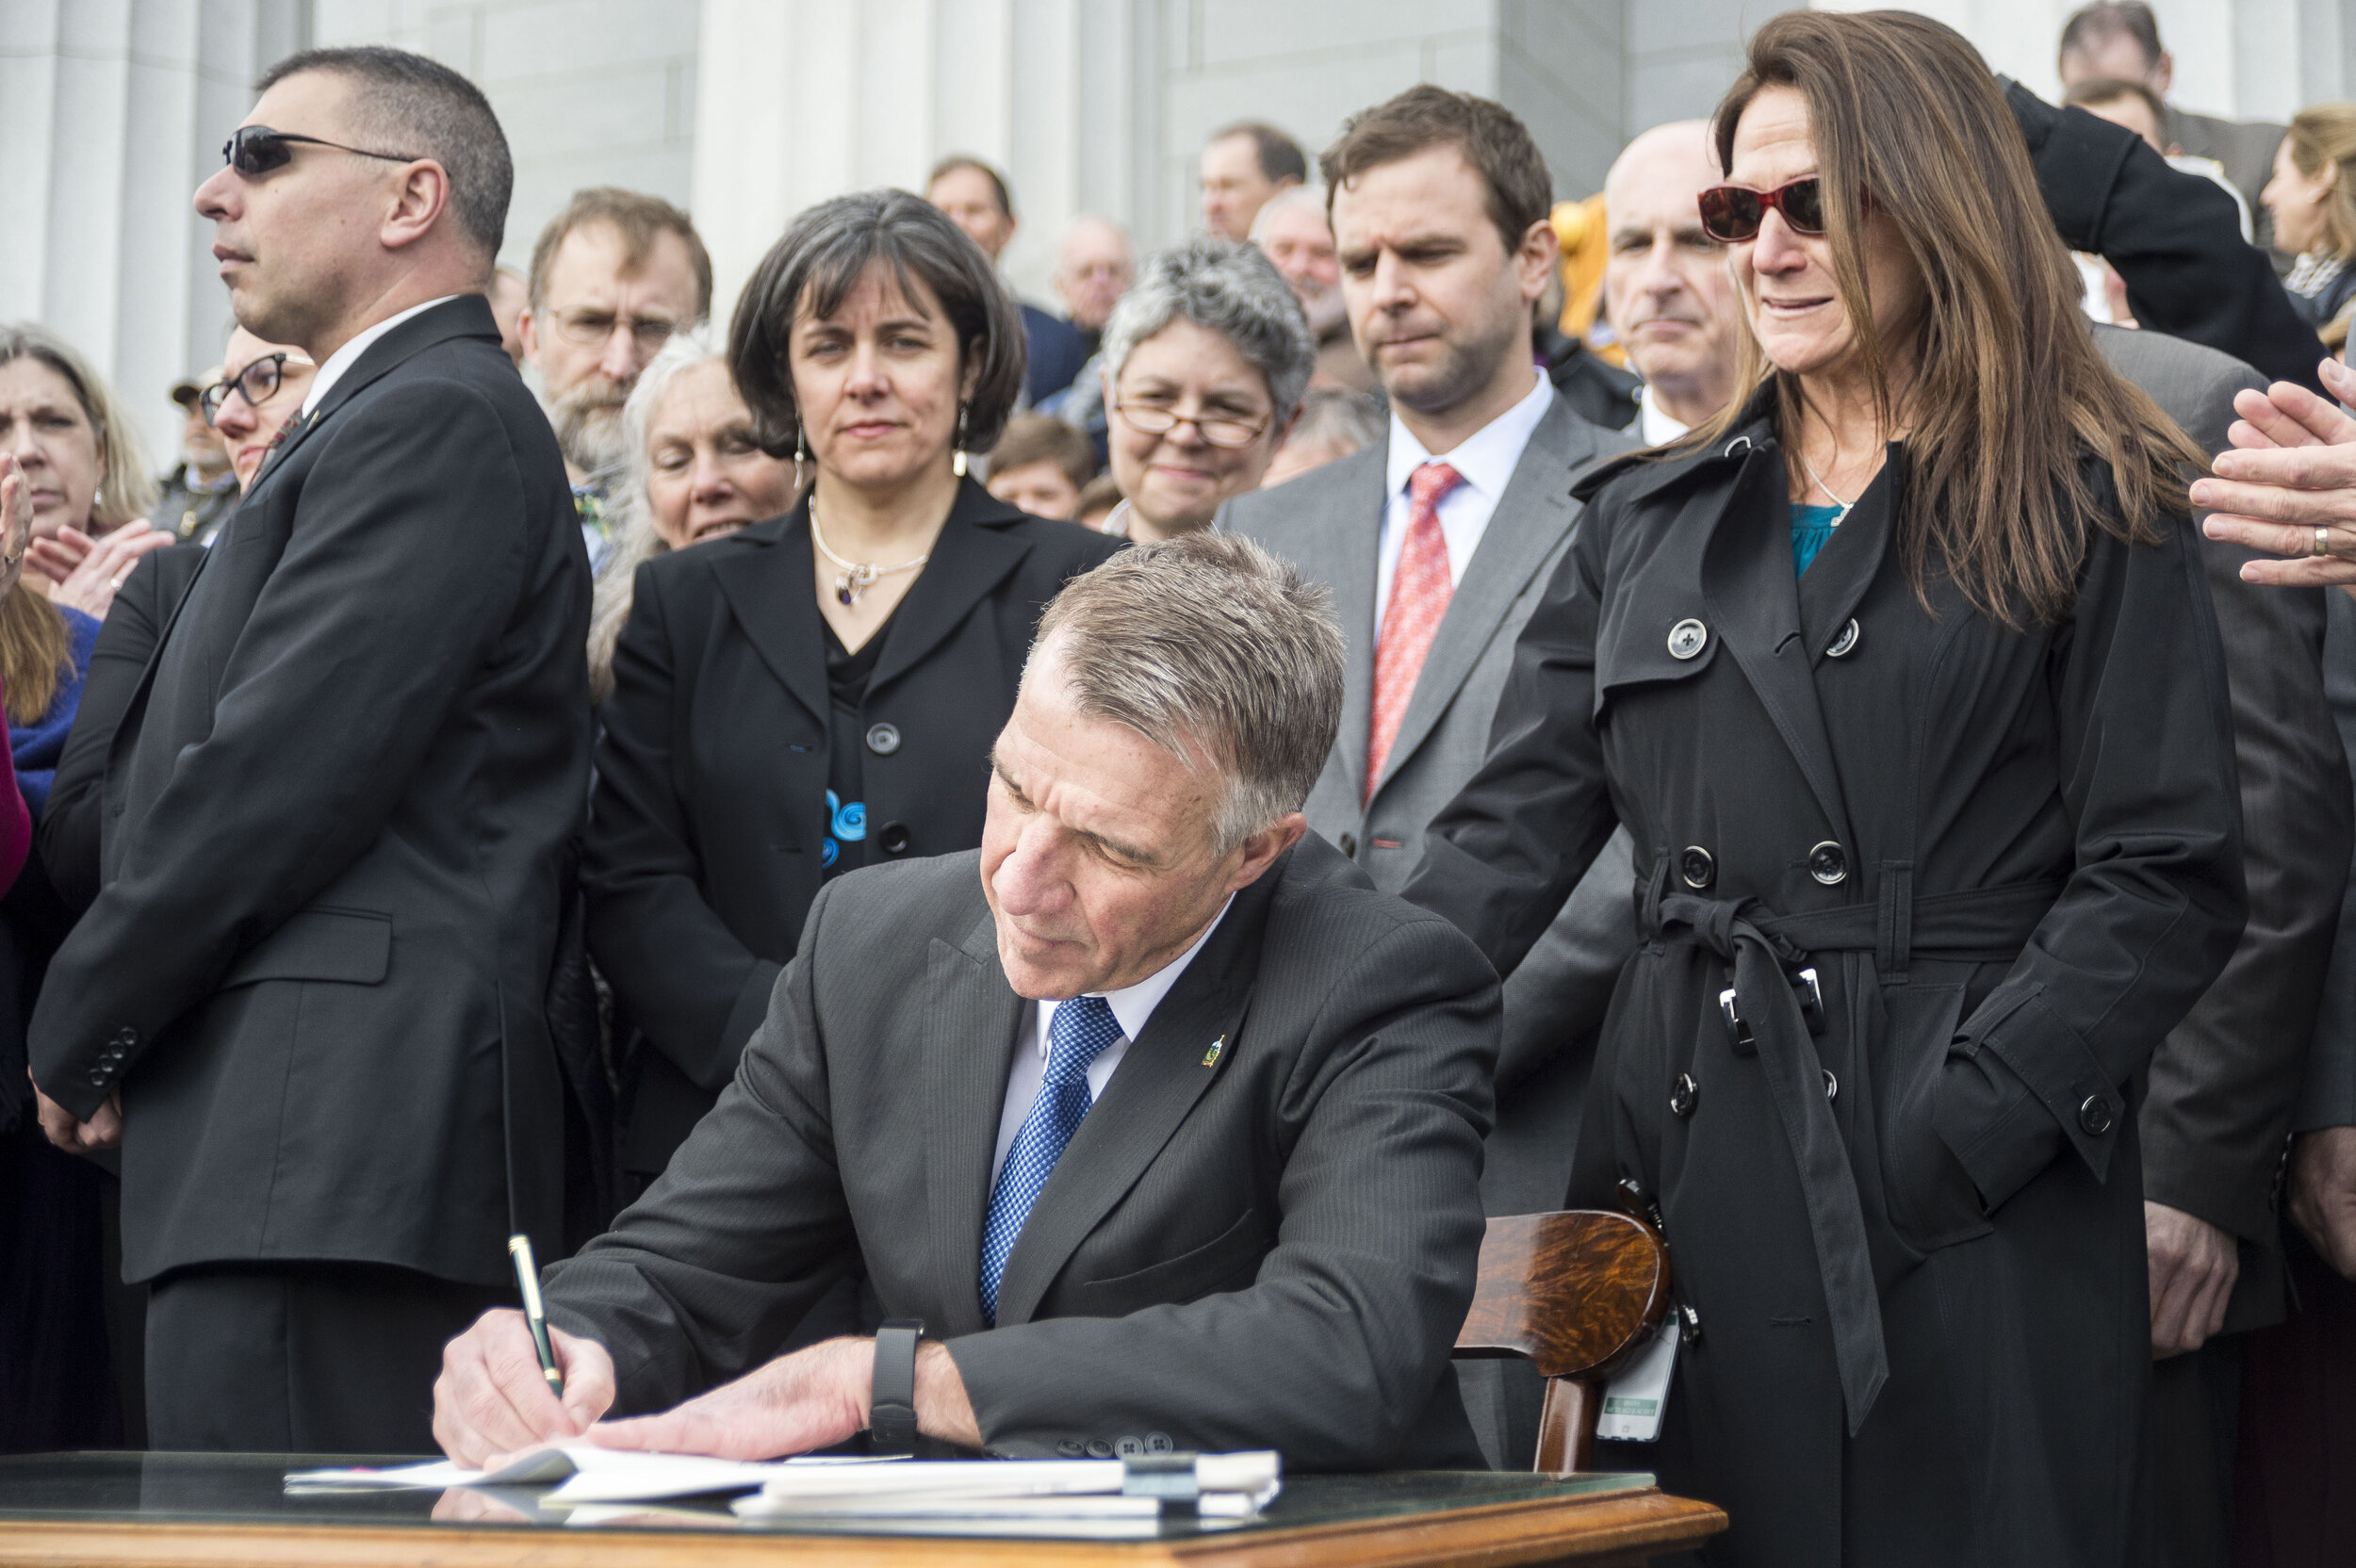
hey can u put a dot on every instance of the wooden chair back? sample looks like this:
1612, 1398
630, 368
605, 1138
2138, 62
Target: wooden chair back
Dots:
1577, 1294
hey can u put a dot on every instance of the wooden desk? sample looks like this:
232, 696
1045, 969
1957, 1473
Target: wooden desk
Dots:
180, 1511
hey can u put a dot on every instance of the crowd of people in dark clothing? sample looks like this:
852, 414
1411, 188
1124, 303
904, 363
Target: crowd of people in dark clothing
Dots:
1856, 621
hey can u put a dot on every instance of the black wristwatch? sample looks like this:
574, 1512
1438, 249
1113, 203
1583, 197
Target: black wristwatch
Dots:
892, 1402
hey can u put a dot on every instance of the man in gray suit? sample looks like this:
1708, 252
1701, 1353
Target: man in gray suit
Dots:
1158, 1118
1439, 203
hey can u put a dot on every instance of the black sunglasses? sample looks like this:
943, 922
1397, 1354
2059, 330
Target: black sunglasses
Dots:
1731, 214
253, 151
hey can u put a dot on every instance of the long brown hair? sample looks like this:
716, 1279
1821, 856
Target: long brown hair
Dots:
33, 650
2323, 135
2010, 390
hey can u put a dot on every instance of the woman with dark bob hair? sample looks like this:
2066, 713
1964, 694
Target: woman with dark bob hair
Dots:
818, 692
1902, 678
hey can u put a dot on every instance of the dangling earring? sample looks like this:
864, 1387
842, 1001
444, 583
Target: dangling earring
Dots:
956, 464
800, 455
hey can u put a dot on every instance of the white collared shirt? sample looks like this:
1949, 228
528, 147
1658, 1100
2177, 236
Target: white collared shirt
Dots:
1653, 422
341, 361
1486, 458
1132, 1006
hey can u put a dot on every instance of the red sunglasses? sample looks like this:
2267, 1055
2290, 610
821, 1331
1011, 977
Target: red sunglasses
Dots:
1731, 214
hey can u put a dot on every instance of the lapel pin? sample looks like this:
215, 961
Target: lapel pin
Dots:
1210, 1057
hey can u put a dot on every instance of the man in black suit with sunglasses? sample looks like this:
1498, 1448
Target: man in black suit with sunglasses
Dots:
309, 1000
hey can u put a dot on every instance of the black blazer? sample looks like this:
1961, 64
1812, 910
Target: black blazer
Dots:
705, 832
67, 834
336, 806
1264, 1235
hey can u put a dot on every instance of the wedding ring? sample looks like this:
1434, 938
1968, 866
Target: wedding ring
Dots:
2323, 541
117, 583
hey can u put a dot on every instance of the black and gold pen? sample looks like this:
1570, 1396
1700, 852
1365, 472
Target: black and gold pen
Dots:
528, 1280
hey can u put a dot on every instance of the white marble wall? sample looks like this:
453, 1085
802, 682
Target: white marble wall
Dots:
111, 112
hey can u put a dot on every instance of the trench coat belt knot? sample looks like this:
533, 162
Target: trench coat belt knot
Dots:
1988, 925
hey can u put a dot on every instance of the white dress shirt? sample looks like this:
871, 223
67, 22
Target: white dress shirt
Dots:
1653, 423
341, 361
1131, 1004
1486, 458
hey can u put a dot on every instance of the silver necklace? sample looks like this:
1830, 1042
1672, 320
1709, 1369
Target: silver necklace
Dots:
856, 577
1842, 516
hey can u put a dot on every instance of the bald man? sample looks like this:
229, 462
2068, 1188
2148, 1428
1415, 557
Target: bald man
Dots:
1093, 270
1666, 290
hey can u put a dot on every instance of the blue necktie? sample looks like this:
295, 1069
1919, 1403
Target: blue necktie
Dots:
1081, 1031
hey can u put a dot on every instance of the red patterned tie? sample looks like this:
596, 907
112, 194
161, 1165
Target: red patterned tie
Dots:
1420, 589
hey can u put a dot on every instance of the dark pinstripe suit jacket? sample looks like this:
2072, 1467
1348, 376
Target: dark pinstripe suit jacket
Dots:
1268, 1242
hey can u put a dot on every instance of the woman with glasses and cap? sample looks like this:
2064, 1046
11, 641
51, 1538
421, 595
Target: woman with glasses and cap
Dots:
1903, 677
819, 691
1206, 360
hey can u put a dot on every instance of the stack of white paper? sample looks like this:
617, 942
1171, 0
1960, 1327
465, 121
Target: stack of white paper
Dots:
580, 1472
1231, 1486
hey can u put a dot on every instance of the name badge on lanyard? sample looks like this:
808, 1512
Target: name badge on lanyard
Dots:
1638, 1393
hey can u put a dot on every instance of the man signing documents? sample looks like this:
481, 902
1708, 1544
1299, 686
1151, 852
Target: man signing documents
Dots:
1158, 1118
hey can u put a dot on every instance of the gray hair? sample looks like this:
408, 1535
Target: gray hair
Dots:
1231, 290
635, 541
1215, 651
1310, 197
1334, 415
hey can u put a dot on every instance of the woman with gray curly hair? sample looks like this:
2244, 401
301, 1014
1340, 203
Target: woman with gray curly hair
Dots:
692, 469
1206, 360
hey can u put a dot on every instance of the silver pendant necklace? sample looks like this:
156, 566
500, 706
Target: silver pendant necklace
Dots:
1842, 516
856, 577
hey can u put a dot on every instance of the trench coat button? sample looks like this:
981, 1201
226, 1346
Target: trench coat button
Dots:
1099, 1449
883, 739
1846, 644
1070, 1449
893, 840
1688, 638
1159, 1443
2094, 1115
1828, 863
1129, 1448
1696, 867
1349, 846
1681, 1095
1832, 1085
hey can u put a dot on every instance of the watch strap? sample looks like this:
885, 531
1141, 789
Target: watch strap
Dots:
891, 1401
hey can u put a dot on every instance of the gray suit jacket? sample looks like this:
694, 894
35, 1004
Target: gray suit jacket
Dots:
1264, 1235
1329, 522
2224, 1080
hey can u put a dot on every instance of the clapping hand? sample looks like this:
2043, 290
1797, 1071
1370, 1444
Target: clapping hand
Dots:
86, 572
16, 522
2289, 485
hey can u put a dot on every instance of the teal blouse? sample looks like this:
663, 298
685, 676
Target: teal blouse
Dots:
1812, 529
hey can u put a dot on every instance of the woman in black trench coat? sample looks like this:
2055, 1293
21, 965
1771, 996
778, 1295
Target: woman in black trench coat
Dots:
1937, 836
818, 692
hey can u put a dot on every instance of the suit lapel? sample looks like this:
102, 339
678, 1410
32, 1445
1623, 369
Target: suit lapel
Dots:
973, 556
971, 1036
1348, 529
1753, 602
469, 314
771, 594
1531, 519
1157, 1083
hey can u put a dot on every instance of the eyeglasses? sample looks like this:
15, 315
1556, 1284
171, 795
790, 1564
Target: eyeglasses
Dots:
1731, 214
594, 329
255, 151
258, 381
1218, 428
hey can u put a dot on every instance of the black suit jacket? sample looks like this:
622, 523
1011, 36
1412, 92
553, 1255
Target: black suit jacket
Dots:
335, 804
704, 837
1264, 1235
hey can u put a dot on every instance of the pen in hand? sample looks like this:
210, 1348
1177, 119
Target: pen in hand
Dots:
528, 1280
